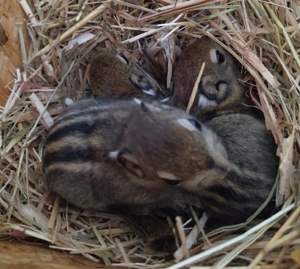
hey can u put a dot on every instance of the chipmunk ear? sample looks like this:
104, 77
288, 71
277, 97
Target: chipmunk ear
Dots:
147, 107
138, 101
122, 58
129, 161
168, 97
168, 178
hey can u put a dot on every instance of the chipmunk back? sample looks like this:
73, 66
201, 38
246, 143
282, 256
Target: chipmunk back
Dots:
252, 150
77, 163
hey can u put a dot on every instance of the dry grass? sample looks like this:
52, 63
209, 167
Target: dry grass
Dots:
263, 35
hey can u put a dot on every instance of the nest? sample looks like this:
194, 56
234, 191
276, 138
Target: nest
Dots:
263, 36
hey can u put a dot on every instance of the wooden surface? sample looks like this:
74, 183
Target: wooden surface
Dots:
29, 256
12, 18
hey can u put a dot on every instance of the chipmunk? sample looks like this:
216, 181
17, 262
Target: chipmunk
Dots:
245, 158
113, 71
146, 159
219, 90
83, 147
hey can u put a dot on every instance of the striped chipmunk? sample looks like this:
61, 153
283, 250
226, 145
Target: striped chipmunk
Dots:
221, 103
145, 160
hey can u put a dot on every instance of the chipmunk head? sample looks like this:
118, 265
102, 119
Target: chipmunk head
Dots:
219, 86
168, 142
113, 75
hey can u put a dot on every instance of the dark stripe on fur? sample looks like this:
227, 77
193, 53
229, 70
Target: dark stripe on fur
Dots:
70, 115
70, 154
73, 129
78, 129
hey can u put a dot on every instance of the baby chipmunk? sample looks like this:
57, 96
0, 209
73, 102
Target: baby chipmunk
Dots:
91, 145
232, 172
219, 89
112, 71
143, 159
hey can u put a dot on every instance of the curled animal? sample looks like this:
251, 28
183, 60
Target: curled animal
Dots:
148, 160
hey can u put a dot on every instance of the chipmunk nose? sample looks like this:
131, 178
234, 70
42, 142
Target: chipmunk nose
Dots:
213, 91
208, 90
172, 182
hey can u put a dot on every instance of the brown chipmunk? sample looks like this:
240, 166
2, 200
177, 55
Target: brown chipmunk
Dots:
114, 76
219, 90
85, 146
149, 159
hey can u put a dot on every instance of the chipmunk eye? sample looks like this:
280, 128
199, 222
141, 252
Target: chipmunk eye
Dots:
196, 124
220, 57
171, 181
122, 58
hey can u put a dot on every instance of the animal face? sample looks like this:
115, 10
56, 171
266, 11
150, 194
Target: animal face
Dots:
219, 86
112, 75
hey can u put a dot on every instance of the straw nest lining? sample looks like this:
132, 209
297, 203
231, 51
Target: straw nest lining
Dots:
264, 36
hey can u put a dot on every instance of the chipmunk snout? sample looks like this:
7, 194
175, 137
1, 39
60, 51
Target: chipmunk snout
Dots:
212, 93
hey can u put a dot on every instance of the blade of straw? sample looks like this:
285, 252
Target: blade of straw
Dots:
77, 26
237, 239
193, 95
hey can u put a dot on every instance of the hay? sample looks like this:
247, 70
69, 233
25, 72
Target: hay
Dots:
263, 36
